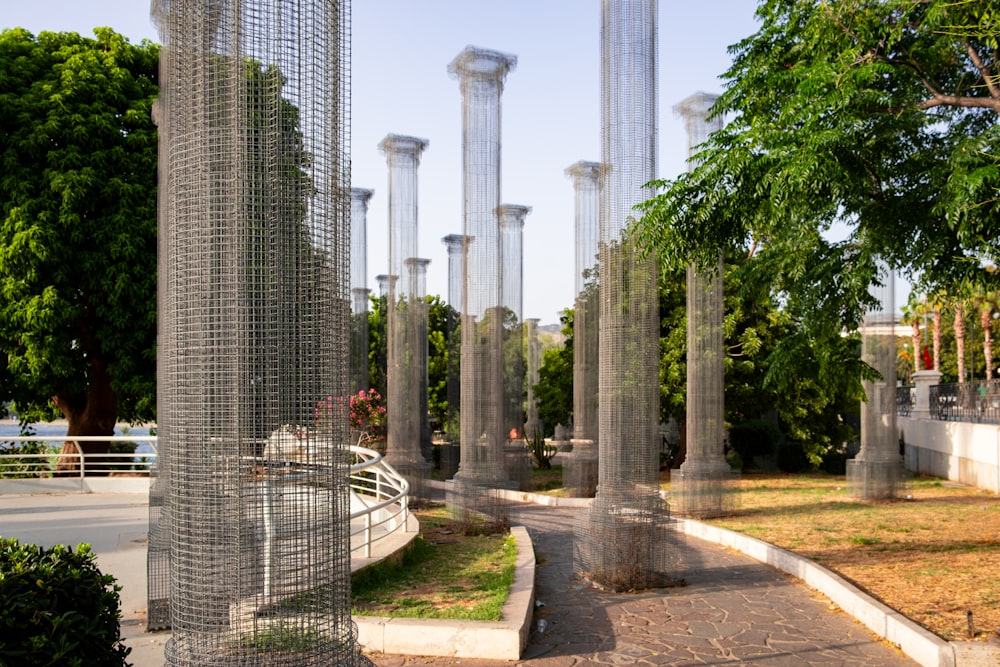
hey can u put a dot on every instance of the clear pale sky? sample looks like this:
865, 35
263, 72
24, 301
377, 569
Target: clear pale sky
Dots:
550, 105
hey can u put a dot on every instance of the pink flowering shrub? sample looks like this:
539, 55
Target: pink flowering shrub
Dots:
367, 413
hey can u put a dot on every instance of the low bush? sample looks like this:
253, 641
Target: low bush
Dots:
24, 460
792, 457
753, 438
57, 608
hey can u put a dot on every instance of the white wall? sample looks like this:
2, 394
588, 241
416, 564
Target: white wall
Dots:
959, 451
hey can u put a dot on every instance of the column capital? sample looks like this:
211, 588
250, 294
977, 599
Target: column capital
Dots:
513, 214
399, 144
478, 63
695, 106
455, 242
584, 170
362, 195
418, 263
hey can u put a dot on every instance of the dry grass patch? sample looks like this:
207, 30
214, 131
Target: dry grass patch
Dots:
933, 555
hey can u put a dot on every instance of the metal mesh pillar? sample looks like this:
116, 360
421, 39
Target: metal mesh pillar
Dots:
406, 347
359, 288
158, 536
254, 304
382, 280
517, 459
580, 469
456, 245
877, 471
533, 427
622, 541
481, 75
704, 484
419, 321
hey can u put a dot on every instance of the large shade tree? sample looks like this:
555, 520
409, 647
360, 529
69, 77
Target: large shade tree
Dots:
875, 120
438, 316
77, 228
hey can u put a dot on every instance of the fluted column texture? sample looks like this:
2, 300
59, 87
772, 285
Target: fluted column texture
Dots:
481, 74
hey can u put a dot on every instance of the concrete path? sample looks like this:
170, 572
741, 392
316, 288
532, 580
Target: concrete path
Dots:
734, 610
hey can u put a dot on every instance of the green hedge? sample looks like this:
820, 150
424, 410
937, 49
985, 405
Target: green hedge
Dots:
57, 608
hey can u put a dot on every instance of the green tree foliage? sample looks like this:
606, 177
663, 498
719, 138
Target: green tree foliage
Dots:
378, 318
877, 117
438, 318
809, 406
77, 228
759, 380
554, 391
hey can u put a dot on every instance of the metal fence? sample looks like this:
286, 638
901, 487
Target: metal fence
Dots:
905, 397
968, 402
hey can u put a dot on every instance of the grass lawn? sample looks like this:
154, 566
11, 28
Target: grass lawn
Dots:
447, 574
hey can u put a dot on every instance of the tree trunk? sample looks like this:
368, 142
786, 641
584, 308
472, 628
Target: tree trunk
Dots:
915, 334
93, 413
937, 338
960, 341
986, 321
682, 444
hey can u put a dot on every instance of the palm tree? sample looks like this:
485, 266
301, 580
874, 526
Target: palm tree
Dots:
960, 337
989, 307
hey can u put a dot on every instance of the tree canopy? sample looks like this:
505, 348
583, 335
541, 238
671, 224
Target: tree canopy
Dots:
875, 120
77, 227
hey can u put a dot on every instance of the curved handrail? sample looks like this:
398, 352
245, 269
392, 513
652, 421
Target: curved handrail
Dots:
372, 477
379, 493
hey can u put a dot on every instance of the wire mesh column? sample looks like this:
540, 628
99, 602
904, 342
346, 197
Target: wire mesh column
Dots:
481, 75
622, 541
254, 305
704, 484
876, 473
580, 469
359, 289
516, 456
456, 245
404, 312
416, 267
158, 536
533, 427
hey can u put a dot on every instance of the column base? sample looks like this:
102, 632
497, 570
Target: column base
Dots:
874, 480
628, 546
704, 489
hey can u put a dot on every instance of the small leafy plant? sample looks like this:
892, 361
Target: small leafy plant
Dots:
57, 608
541, 451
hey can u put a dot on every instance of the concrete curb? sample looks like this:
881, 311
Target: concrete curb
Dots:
523, 496
922, 645
394, 544
495, 640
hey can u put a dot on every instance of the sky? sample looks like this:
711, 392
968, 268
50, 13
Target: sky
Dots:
400, 50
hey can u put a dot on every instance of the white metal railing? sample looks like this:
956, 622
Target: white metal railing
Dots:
378, 496
378, 493
18, 463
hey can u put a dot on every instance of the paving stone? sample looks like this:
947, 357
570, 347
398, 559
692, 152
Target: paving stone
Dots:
732, 610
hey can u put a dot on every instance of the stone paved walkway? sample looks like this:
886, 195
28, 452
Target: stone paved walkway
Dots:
733, 611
